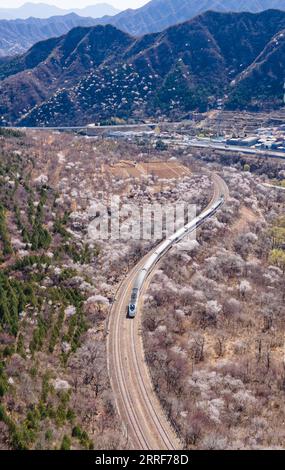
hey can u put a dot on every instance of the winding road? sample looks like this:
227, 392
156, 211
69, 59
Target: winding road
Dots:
146, 426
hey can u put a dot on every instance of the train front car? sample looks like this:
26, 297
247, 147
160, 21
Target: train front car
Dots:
133, 305
132, 308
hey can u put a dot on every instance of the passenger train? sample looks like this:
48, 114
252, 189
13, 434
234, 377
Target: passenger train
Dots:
162, 249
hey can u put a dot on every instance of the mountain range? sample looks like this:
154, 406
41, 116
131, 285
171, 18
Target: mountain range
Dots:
158, 15
97, 73
17, 36
42, 10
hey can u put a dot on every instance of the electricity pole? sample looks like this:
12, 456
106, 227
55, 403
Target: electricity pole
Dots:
219, 121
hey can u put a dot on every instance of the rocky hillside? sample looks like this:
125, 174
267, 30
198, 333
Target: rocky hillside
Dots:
94, 74
267, 71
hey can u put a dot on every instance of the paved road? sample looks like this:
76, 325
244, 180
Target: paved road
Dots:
137, 403
94, 128
272, 186
234, 148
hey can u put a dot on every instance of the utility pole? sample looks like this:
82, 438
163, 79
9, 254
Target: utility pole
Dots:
219, 121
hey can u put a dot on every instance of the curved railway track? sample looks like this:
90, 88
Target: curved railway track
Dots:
146, 426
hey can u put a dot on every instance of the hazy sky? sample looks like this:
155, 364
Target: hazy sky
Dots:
120, 4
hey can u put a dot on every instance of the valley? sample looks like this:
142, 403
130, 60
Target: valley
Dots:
142, 232
46, 248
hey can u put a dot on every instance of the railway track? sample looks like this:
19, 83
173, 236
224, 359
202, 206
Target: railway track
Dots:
145, 424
